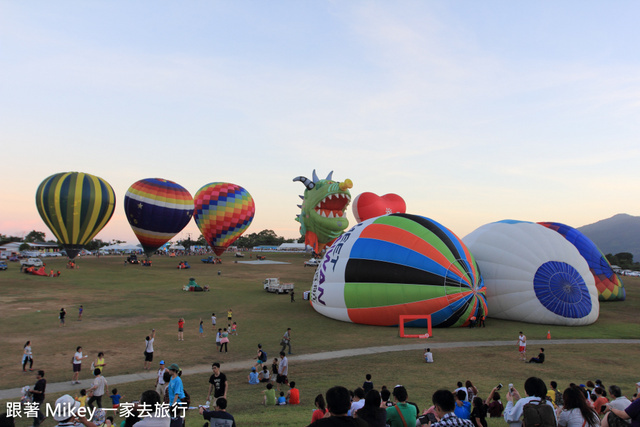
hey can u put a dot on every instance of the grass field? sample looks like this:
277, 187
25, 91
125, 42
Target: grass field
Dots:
123, 303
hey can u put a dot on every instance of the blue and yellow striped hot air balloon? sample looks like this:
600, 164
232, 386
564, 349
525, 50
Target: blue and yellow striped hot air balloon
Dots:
75, 206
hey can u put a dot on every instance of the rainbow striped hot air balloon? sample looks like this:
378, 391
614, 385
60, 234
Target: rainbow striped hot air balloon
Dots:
609, 285
399, 264
157, 209
75, 206
223, 211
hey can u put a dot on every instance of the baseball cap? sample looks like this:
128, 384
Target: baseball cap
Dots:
174, 367
162, 362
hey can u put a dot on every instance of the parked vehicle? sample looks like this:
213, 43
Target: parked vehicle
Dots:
133, 259
273, 285
313, 262
31, 262
211, 260
3, 265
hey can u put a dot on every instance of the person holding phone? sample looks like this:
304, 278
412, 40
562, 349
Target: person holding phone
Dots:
494, 404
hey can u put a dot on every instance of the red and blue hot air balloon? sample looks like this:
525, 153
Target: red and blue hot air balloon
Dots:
157, 209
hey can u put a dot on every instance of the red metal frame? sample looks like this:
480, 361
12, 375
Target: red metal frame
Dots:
404, 317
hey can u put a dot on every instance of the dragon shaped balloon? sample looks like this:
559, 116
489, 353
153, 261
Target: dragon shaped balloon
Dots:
324, 204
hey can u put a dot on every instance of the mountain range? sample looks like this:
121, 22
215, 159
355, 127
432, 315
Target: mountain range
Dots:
620, 233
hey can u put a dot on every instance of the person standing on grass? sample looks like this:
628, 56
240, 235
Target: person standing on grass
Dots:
201, 328
213, 321
229, 315
99, 362
161, 385
283, 370
97, 390
27, 357
224, 340
148, 350
38, 396
522, 346
176, 389
80, 310
77, 365
218, 383
293, 299
180, 329
218, 338
63, 314
286, 340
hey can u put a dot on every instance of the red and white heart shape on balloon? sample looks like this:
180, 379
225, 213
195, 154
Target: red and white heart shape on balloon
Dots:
370, 205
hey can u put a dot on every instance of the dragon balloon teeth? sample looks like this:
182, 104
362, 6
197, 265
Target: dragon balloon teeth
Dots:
323, 210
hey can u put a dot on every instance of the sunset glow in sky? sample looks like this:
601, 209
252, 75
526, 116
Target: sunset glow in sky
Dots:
473, 112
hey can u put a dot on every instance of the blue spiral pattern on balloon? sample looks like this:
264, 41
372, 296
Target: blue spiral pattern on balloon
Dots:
561, 289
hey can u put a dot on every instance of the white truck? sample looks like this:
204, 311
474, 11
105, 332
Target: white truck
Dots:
31, 262
273, 285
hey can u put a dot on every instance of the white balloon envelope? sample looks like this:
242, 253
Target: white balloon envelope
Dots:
533, 274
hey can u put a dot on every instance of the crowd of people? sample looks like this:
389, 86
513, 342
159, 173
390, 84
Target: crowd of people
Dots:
580, 405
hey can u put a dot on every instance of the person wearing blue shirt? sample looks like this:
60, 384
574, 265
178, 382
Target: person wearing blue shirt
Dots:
253, 377
463, 407
176, 390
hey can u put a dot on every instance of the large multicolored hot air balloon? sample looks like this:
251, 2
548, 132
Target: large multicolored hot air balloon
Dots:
75, 206
533, 274
157, 209
609, 285
223, 211
399, 264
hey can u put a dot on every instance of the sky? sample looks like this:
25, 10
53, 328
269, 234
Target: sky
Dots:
473, 112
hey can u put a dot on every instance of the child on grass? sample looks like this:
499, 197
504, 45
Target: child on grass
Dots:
115, 398
282, 400
269, 396
293, 395
82, 398
234, 329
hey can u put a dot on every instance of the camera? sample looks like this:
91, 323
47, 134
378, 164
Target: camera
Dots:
499, 386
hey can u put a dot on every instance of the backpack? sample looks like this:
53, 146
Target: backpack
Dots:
538, 414
263, 356
559, 400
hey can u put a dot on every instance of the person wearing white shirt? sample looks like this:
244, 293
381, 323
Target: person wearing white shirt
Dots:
536, 391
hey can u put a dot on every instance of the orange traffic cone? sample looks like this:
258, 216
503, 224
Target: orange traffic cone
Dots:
549, 334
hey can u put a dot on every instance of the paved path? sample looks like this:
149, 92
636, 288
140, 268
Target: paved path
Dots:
14, 393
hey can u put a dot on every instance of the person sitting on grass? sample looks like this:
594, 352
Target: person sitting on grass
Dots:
253, 376
321, 409
282, 400
293, 395
264, 375
444, 403
338, 404
463, 407
402, 413
151, 399
269, 395
220, 416
494, 405
539, 359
